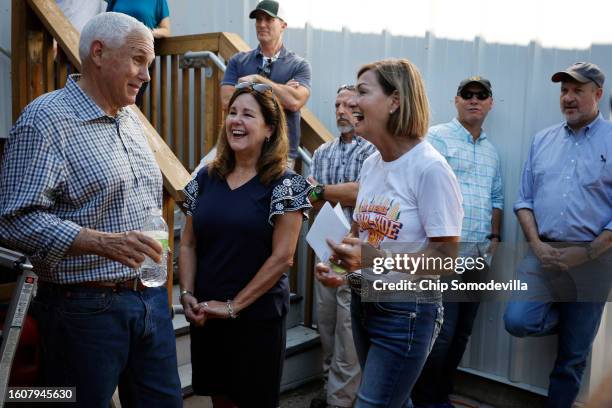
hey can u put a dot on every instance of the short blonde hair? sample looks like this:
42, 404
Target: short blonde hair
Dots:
402, 76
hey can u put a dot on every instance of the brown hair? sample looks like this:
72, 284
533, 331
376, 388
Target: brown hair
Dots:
272, 161
402, 76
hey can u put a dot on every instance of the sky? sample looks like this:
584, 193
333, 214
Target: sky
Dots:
553, 23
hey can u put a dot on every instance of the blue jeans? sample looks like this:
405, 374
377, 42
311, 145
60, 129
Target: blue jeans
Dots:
436, 380
392, 340
92, 338
576, 323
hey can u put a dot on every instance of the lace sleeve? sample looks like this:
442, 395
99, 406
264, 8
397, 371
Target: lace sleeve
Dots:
191, 193
290, 194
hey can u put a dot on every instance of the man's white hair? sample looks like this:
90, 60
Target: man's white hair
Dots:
111, 29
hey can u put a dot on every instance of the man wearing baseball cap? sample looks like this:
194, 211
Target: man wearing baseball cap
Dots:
564, 207
475, 162
273, 64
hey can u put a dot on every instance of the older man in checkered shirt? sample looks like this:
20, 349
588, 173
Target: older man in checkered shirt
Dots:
76, 183
336, 166
476, 164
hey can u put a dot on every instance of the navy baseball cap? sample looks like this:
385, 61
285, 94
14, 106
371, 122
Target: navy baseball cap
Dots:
582, 72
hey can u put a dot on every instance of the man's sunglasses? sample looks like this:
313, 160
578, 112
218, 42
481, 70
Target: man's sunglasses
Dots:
266, 70
480, 95
256, 86
346, 87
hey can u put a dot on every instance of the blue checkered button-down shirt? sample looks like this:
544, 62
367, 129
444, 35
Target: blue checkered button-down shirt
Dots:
68, 165
338, 162
478, 170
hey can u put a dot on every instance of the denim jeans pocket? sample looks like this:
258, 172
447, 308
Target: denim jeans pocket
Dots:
84, 304
405, 309
394, 325
437, 327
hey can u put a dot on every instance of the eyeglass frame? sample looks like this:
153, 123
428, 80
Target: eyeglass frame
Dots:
265, 70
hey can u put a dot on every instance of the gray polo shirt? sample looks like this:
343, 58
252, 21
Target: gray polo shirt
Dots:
288, 66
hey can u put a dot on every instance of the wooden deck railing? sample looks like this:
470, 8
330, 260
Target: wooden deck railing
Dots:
181, 112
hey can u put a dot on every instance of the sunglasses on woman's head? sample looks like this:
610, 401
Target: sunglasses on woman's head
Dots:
480, 95
256, 86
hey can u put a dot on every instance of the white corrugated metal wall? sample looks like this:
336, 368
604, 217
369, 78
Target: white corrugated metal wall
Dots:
525, 101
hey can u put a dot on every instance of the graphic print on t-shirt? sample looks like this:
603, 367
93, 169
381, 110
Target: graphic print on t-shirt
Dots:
379, 217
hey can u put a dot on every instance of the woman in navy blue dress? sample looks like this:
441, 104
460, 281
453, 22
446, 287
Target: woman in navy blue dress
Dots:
244, 214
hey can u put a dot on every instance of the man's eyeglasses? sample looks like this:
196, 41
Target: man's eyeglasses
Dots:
346, 87
266, 70
256, 86
480, 95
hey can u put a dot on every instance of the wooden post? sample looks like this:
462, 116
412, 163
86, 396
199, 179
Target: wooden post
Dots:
197, 115
19, 56
217, 105
153, 85
174, 67
185, 87
62, 67
210, 127
48, 58
164, 97
35, 57
168, 213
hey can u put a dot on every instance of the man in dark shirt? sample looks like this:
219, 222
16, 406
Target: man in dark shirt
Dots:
273, 64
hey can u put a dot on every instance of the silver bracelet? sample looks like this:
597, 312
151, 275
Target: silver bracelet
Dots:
230, 309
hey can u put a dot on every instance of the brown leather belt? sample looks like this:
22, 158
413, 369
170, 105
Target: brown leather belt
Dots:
130, 284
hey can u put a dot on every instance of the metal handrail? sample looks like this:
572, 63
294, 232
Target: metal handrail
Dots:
190, 56
5, 52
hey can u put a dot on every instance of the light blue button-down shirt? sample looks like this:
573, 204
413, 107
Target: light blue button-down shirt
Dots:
567, 181
478, 170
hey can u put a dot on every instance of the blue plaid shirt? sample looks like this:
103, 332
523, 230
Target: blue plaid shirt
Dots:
68, 165
478, 170
338, 162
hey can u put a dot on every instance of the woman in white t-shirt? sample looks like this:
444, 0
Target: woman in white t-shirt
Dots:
409, 202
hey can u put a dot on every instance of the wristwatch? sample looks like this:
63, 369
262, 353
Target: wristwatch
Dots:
318, 192
183, 293
491, 236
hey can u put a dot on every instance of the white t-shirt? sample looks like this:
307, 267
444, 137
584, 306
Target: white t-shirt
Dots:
408, 200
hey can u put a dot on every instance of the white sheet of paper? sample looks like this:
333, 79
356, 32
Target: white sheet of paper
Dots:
328, 224
338, 210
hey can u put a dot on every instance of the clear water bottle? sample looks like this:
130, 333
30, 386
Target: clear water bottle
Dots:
154, 274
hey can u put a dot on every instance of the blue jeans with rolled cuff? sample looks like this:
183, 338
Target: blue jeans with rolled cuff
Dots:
546, 308
93, 338
392, 340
